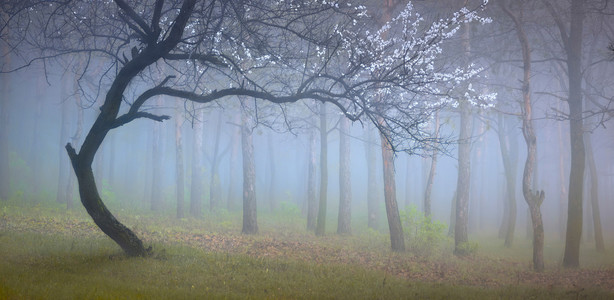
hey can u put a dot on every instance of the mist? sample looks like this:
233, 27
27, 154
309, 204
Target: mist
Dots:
180, 165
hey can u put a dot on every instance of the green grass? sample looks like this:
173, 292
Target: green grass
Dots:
37, 266
47, 252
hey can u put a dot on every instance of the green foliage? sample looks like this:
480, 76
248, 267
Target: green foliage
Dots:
423, 235
466, 249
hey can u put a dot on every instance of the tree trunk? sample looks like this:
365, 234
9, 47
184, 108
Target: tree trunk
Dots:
179, 172
372, 198
533, 199
345, 187
431, 176
271, 160
74, 140
215, 193
397, 240
508, 145
562, 218
571, 258
156, 160
312, 205
321, 221
196, 186
250, 221
594, 182
464, 173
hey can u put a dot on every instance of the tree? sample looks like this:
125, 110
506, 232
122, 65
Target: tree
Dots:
250, 221
571, 37
321, 219
345, 188
222, 50
533, 198
463, 183
312, 205
179, 170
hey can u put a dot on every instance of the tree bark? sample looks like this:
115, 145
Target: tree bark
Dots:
321, 220
312, 205
431, 176
533, 199
573, 49
179, 171
250, 220
464, 173
345, 187
397, 240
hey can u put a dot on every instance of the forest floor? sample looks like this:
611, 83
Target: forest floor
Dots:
492, 267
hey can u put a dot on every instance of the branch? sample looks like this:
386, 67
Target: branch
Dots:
127, 118
134, 16
203, 58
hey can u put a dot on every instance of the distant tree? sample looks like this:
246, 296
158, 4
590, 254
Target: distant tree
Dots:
216, 51
345, 188
321, 219
250, 220
179, 170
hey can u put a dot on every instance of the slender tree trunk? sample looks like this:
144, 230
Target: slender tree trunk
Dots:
197, 179
179, 172
321, 220
464, 173
452, 216
312, 205
594, 184
272, 179
533, 198
571, 257
508, 145
431, 176
372, 198
562, 217
250, 220
397, 240
215, 193
345, 187
156, 174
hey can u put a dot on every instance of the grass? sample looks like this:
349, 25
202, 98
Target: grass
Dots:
48, 253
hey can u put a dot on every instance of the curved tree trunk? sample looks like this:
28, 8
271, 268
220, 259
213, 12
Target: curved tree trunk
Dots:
107, 120
533, 199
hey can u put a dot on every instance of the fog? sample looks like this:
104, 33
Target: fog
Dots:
124, 164
488, 124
